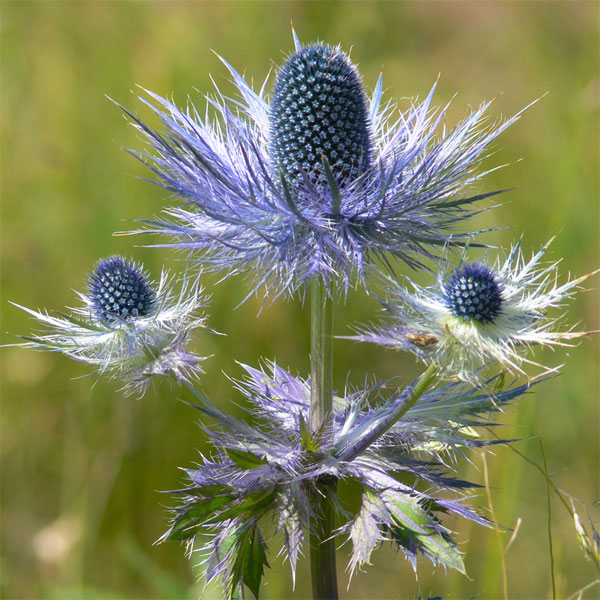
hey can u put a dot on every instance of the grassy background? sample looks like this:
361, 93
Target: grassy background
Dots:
81, 465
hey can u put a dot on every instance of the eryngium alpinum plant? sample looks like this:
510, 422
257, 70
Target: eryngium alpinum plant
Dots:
309, 192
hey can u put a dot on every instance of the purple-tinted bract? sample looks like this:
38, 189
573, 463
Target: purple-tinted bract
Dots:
244, 205
270, 468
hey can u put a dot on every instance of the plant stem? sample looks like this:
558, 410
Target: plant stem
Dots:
322, 541
388, 417
321, 362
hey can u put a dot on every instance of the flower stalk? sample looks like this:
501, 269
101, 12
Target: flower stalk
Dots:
321, 359
390, 415
322, 539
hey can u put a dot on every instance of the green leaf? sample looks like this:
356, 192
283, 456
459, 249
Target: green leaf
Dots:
309, 444
188, 522
414, 526
254, 560
251, 507
243, 459
365, 532
257, 502
202, 491
249, 558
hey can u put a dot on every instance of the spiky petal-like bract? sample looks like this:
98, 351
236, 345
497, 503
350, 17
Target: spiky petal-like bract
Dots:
128, 326
266, 190
477, 314
268, 470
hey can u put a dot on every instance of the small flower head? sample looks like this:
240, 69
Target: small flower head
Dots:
472, 293
320, 181
119, 291
127, 326
478, 314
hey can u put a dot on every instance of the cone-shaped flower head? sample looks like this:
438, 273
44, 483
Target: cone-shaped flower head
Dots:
119, 291
319, 109
128, 326
320, 182
478, 314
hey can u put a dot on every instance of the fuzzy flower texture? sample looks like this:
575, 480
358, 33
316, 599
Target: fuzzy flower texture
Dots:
128, 326
319, 182
478, 314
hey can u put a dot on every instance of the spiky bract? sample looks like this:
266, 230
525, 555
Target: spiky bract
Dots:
510, 310
112, 337
268, 470
249, 200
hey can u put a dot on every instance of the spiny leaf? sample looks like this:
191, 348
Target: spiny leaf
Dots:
249, 558
243, 459
289, 523
309, 444
365, 532
203, 491
254, 561
188, 522
221, 553
252, 506
415, 529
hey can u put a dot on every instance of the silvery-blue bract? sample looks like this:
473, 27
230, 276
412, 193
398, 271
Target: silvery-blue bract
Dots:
478, 314
265, 469
128, 326
321, 181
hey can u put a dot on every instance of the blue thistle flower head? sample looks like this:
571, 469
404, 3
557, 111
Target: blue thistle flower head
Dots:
128, 326
119, 291
472, 292
319, 111
478, 314
320, 181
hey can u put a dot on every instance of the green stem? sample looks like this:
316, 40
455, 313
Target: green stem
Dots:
322, 540
389, 416
321, 362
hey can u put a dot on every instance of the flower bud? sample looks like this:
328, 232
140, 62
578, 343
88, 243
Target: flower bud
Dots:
472, 292
119, 291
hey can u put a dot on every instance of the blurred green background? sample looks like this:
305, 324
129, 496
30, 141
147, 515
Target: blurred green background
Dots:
81, 464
